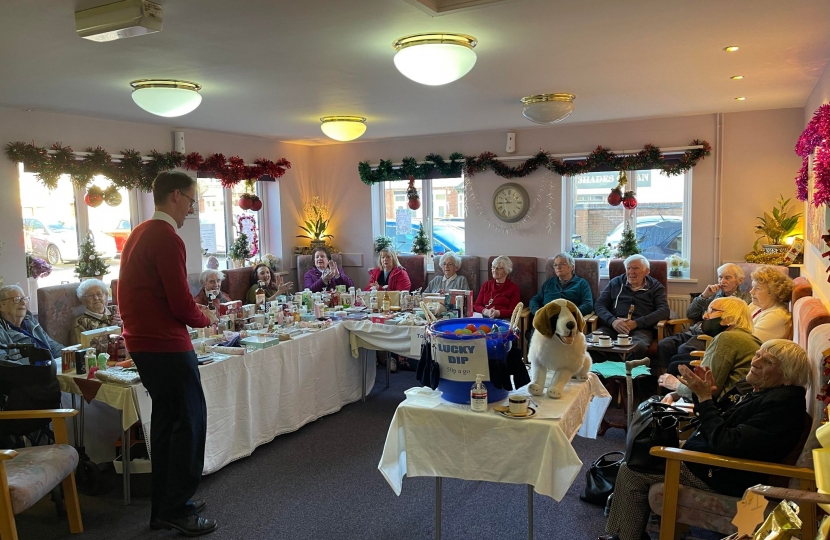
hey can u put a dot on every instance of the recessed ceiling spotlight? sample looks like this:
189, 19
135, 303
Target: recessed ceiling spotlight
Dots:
548, 108
731, 48
736, 77
740, 98
166, 97
435, 58
343, 128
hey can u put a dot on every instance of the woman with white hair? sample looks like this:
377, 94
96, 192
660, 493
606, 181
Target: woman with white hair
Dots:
389, 272
18, 325
450, 263
498, 296
730, 277
565, 284
211, 280
93, 295
765, 425
730, 353
771, 292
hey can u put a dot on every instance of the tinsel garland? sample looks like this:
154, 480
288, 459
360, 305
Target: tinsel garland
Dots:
254, 243
435, 166
130, 171
815, 137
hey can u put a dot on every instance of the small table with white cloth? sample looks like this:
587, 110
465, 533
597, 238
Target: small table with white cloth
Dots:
420, 439
402, 340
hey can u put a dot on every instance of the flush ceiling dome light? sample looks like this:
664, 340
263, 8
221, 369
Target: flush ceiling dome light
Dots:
435, 58
343, 128
548, 108
165, 97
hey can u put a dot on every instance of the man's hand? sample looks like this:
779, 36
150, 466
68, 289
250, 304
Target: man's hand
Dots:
208, 313
700, 381
710, 291
631, 325
620, 326
669, 382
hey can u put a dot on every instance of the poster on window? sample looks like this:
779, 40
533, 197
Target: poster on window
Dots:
403, 222
208, 233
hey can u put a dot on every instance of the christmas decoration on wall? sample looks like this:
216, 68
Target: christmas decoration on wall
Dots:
628, 244
240, 250
629, 200
112, 197
90, 262
130, 171
247, 225
616, 195
434, 166
94, 197
816, 137
420, 244
412, 195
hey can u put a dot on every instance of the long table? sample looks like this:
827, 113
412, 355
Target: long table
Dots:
253, 398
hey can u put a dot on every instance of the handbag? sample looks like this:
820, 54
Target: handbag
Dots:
600, 478
654, 424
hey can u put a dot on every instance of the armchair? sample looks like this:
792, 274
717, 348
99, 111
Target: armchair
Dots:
28, 474
469, 269
526, 276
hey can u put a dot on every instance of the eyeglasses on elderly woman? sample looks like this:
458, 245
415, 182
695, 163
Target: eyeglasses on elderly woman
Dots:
16, 299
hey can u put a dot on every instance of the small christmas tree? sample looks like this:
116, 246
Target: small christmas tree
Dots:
90, 262
420, 245
240, 250
628, 244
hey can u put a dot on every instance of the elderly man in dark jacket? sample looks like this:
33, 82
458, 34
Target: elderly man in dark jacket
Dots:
631, 304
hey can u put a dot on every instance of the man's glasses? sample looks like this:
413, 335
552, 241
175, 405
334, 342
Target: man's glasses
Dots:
192, 200
16, 299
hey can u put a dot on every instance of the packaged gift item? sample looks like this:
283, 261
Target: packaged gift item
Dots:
466, 303
782, 524
98, 338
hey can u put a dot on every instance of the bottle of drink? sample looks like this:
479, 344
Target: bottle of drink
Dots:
90, 359
386, 305
260, 297
478, 395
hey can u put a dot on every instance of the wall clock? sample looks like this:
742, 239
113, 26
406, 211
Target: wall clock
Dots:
510, 202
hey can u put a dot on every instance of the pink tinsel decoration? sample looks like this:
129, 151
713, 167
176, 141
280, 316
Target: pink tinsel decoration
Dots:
815, 137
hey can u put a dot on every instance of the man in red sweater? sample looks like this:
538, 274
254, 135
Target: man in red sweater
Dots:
156, 306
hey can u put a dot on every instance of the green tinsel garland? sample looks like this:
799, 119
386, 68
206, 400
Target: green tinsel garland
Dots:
434, 166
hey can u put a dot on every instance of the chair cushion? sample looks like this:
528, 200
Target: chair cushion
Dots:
801, 288
524, 274
699, 508
416, 267
36, 471
748, 268
808, 312
237, 282
58, 307
469, 269
306, 263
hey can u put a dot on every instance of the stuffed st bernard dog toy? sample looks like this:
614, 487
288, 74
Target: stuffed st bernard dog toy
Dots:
559, 345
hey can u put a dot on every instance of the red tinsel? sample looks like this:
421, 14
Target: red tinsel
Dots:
815, 137
233, 170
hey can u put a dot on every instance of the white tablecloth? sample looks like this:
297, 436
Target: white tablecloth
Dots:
403, 340
452, 441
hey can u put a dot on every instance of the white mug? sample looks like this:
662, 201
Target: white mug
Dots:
605, 341
623, 339
517, 405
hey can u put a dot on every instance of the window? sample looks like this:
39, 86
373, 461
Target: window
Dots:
219, 214
441, 213
660, 220
55, 220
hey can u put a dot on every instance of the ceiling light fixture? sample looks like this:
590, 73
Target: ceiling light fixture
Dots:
740, 98
731, 48
435, 58
548, 108
736, 77
166, 97
343, 128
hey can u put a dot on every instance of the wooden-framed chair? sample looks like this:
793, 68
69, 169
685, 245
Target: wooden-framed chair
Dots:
28, 474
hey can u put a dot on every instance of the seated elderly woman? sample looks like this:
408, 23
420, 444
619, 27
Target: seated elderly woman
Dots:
765, 425
211, 280
565, 284
730, 353
273, 284
450, 263
771, 292
93, 295
325, 273
389, 273
498, 296
17, 325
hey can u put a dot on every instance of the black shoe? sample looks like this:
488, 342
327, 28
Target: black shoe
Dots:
198, 505
190, 525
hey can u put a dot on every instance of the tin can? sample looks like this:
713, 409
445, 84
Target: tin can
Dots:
80, 362
459, 304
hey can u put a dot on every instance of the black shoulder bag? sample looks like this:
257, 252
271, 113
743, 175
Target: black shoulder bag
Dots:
654, 424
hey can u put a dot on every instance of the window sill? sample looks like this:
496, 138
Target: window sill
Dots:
682, 280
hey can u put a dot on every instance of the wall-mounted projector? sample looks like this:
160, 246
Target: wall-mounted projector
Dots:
119, 20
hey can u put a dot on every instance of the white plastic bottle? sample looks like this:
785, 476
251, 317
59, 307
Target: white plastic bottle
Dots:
478, 395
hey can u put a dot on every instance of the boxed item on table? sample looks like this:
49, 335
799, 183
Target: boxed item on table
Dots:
230, 307
99, 338
468, 301
259, 342
381, 319
248, 310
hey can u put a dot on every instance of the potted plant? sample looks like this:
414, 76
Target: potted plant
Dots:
420, 244
382, 242
676, 265
777, 226
315, 226
90, 263
240, 250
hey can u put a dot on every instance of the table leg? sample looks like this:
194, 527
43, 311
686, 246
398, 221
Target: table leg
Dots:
365, 354
529, 512
438, 480
75, 426
125, 462
81, 423
388, 367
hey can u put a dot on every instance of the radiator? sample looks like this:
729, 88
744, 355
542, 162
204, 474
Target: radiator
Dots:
679, 303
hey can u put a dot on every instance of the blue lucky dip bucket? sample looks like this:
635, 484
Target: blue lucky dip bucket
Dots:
462, 356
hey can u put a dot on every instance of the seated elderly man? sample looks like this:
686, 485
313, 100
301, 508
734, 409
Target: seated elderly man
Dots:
450, 263
93, 295
565, 284
211, 280
730, 277
632, 304
17, 325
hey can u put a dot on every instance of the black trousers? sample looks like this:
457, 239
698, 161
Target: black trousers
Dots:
681, 343
177, 432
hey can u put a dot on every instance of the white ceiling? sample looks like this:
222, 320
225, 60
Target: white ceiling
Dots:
273, 68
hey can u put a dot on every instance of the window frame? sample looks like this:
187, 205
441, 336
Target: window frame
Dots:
230, 222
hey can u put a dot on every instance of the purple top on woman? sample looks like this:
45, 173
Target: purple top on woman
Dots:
313, 280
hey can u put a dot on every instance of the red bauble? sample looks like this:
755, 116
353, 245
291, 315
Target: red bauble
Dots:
93, 199
245, 203
615, 197
256, 205
629, 201
414, 203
